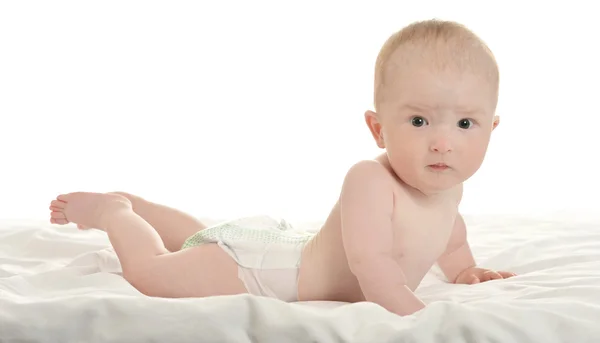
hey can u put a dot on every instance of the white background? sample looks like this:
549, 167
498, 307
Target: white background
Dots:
225, 108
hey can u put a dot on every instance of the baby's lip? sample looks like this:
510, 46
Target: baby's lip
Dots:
439, 166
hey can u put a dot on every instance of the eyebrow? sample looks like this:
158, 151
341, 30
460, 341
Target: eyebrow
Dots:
422, 108
416, 107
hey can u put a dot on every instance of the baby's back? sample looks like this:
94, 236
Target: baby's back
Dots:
420, 235
324, 270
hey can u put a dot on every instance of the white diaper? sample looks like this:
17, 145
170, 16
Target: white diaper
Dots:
267, 251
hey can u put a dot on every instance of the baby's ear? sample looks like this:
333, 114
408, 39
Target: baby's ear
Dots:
375, 128
496, 122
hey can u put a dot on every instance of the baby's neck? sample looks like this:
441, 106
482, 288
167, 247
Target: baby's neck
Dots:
433, 197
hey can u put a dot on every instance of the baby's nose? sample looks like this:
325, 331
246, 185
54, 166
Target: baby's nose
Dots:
441, 145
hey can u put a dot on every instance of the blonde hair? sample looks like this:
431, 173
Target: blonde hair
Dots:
443, 44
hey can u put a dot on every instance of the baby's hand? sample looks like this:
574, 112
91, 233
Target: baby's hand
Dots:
475, 275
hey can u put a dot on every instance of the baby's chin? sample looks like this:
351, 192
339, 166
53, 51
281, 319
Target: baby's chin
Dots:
434, 184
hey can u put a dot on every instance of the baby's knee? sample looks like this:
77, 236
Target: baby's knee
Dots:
124, 194
140, 279
158, 277
134, 199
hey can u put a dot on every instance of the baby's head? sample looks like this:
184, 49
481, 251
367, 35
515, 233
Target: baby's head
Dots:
436, 90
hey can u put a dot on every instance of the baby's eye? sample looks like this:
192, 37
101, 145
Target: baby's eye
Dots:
418, 121
465, 123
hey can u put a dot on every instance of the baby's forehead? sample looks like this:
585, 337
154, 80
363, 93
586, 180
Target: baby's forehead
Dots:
436, 57
435, 46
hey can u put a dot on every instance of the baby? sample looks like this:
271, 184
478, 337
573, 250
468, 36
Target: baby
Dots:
436, 90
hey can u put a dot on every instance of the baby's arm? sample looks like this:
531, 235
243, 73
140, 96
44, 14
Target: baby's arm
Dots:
458, 256
367, 204
458, 263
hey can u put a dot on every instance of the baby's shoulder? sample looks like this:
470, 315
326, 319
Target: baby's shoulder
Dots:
368, 171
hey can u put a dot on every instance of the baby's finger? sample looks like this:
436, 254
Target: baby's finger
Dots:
474, 280
491, 275
506, 275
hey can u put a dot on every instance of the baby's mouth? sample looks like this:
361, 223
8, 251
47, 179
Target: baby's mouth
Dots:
439, 166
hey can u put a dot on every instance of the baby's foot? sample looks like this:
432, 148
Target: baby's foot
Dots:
87, 210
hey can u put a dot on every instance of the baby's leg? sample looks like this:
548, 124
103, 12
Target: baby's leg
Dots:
173, 226
195, 272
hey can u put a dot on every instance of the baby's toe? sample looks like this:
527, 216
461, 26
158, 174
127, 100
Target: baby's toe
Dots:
57, 204
58, 215
59, 221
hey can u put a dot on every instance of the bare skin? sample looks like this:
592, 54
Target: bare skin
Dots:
396, 216
146, 263
140, 230
381, 239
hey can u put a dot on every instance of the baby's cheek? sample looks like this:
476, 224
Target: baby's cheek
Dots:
473, 158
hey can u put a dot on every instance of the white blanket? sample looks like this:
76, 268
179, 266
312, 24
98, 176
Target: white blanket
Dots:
58, 284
